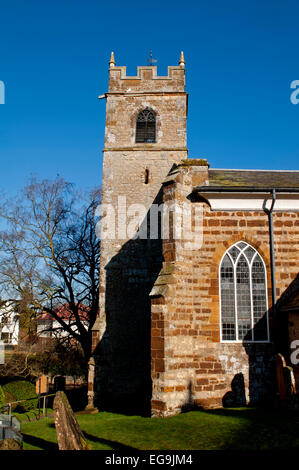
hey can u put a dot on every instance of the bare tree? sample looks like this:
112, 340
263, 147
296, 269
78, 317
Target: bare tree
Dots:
49, 254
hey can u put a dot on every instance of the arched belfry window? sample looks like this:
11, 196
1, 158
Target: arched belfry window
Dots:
146, 126
243, 295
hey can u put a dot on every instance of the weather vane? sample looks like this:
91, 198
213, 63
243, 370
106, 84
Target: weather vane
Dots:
151, 61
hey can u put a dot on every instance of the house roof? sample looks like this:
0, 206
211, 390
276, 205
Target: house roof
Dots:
253, 179
65, 313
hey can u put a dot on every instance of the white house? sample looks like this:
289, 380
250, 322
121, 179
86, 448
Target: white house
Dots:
48, 327
9, 325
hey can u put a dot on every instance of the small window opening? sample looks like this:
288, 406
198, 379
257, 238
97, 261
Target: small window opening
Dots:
146, 176
146, 127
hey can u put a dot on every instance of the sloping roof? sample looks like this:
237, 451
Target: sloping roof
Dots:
253, 178
163, 280
65, 313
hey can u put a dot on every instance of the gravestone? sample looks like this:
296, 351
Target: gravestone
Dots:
59, 383
286, 382
10, 435
280, 363
11, 444
289, 381
90, 408
69, 434
41, 384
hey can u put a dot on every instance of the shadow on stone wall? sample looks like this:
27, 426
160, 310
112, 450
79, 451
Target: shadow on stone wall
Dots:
262, 378
123, 357
236, 396
189, 404
263, 385
288, 297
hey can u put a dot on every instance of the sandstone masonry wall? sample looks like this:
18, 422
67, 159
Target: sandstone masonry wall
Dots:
129, 266
190, 366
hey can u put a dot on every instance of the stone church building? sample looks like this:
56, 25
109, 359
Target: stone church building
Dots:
190, 318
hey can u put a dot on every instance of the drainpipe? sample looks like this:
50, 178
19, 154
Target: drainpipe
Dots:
272, 254
210, 189
220, 189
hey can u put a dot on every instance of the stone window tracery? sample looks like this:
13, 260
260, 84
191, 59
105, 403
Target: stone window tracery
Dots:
243, 295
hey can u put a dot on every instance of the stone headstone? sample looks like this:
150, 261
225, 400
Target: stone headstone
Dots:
41, 384
90, 408
280, 363
59, 383
289, 380
69, 434
11, 444
10, 435
285, 381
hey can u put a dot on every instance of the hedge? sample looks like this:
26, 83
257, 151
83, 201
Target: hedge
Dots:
20, 390
2, 399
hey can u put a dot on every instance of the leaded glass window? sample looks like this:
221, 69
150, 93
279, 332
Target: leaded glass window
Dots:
146, 127
227, 298
243, 295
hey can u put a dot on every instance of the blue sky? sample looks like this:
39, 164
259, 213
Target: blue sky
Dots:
241, 57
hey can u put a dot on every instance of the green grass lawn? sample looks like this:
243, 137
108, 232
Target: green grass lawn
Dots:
223, 429
31, 415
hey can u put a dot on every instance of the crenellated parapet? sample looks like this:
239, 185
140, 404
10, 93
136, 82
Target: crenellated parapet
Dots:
147, 79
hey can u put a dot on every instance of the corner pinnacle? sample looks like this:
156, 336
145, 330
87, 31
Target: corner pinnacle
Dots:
182, 60
112, 60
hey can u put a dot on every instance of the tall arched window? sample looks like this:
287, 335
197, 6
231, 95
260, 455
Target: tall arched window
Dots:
146, 126
243, 295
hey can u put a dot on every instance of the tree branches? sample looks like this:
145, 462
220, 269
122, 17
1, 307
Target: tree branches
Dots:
49, 253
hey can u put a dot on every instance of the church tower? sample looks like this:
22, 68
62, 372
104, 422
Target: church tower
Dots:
145, 136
